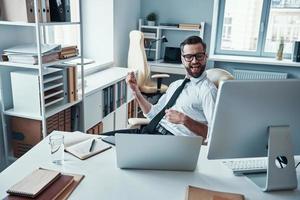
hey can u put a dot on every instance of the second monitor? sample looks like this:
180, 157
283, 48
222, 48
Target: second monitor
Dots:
259, 118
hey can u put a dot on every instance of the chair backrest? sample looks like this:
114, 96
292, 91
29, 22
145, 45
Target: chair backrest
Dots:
137, 58
216, 75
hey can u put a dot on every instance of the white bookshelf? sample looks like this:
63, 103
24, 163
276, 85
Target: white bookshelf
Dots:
159, 31
48, 104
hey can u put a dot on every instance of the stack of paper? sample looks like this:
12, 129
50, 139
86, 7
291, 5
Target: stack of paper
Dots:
27, 53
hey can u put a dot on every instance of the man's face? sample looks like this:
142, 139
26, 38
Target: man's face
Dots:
194, 59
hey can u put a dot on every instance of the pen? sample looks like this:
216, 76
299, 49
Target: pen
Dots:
92, 145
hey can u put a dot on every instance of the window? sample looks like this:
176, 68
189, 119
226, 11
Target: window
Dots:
255, 27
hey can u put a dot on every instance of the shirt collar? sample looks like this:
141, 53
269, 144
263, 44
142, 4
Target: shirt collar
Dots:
200, 78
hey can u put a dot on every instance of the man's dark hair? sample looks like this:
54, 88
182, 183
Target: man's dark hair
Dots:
192, 40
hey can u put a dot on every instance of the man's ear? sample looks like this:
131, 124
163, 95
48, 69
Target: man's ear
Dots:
182, 59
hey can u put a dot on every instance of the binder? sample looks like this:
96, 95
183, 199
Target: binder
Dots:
60, 10
296, 52
67, 11
71, 86
45, 7
75, 83
19, 10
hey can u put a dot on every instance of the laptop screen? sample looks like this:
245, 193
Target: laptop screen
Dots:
172, 55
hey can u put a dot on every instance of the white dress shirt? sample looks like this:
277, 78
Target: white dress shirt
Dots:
197, 100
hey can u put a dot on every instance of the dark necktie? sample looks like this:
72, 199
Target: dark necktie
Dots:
150, 128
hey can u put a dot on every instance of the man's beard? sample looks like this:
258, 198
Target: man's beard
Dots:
197, 71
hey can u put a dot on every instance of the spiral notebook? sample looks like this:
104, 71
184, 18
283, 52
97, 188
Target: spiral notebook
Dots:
34, 183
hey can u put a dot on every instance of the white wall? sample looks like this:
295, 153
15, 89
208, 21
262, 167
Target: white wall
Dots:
126, 15
97, 20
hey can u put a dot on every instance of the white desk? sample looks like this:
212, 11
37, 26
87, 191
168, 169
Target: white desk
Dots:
159, 66
105, 181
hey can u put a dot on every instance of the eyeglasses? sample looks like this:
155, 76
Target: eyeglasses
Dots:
190, 57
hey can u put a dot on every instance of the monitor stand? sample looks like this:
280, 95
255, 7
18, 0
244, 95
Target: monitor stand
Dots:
280, 175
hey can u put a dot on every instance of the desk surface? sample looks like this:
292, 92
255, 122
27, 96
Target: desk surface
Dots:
105, 181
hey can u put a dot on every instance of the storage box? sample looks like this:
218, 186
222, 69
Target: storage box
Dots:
25, 134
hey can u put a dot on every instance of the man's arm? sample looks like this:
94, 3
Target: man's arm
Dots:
176, 117
132, 83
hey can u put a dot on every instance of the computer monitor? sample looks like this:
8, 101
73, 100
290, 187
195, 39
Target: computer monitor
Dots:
172, 55
245, 110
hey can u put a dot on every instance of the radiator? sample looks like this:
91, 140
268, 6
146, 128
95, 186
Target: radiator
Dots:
257, 75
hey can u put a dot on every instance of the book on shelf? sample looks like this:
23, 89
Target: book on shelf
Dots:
197, 193
83, 145
59, 189
34, 183
189, 26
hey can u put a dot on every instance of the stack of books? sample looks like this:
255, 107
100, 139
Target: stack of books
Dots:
27, 53
44, 184
68, 52
190, 26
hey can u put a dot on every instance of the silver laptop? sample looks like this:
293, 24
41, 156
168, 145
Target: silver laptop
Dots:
160, 152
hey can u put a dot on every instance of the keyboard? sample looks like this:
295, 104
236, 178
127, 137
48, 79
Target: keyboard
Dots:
247, 166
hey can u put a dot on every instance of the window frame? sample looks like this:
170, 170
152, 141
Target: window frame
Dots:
263, 28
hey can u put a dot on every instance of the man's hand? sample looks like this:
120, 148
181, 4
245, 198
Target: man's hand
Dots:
175, 116
132, 83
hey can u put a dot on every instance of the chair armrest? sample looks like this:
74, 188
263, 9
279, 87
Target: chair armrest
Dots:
137, 122
160, 76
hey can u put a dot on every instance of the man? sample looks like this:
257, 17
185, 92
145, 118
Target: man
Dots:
192, 112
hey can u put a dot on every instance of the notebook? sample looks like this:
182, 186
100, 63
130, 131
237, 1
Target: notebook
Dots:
161, 152
52, 192
196, 193
172, 55
88, 148
34, 183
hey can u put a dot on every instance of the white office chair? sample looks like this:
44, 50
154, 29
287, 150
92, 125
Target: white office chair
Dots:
137, 61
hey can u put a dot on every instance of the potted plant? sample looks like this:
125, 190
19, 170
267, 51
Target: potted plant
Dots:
151, 18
